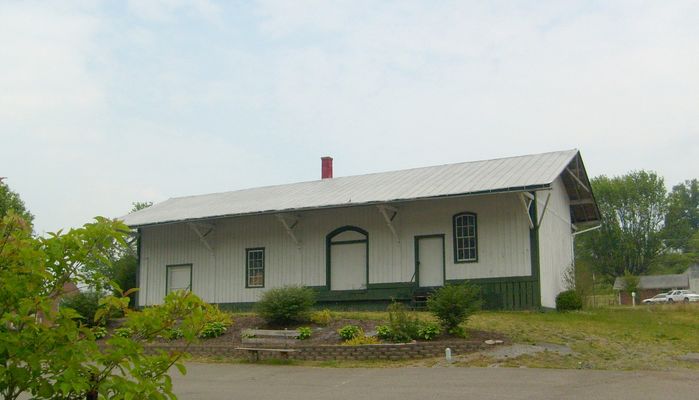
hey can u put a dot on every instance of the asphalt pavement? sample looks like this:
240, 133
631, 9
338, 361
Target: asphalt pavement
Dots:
248, 381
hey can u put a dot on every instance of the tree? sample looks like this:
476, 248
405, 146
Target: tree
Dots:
633, 208
44, 350
682, 218
140, 205
10, 201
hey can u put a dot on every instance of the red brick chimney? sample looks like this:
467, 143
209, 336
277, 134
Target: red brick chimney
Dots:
326, 171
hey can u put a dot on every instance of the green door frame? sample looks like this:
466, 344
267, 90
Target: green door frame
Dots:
417, 257
328, 252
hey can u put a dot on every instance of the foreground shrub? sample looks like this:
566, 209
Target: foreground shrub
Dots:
428, 331
212, 330
323, 317
84, 303
304, 333
215, 314
403, 326
453, 305
286, 304
568, 300
384, 332
349, 332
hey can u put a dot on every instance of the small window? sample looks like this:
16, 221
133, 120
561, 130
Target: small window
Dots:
255, 268
465, 238
179, 277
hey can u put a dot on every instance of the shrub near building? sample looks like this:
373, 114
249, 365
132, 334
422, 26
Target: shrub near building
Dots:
453, 305
286, 304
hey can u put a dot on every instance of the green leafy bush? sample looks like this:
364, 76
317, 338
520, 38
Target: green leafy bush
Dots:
85, 303
173, 334
428, 331
99, 332
453, 305
304, 333
215, 314
213, 330
568, 300
384, 332
361, 340
123, 332
404, 327
286, 305
323, 317
349, 332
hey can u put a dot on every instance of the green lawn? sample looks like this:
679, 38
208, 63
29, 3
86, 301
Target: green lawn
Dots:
649, 337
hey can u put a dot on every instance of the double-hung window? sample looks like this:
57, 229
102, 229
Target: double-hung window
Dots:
465, 238
255, 267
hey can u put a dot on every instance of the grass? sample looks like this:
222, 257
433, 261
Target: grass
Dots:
603, 338
616, 338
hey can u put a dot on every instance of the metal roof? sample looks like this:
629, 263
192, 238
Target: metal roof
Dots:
468, 178
678, 281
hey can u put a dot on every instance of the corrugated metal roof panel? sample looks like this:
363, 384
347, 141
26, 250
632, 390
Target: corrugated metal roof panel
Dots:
418, 183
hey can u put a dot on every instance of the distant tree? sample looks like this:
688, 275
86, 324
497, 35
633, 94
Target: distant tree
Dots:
633, 208
682, 218
10, 200
140, 205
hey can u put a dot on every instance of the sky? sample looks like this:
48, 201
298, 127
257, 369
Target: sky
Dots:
103, 104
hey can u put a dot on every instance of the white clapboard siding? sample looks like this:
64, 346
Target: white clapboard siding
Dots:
555, 242
218, 275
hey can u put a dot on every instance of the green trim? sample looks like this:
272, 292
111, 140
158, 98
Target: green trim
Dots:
417, 257
247, 267
534, 251
391, 285
509, 293
328, 251
167, 272
453, 234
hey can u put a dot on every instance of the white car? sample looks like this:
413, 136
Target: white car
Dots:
682, 296
657, 299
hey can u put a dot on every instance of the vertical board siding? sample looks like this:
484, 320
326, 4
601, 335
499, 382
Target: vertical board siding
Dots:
218, 276
555, 242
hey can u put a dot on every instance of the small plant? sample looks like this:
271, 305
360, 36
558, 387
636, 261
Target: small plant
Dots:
304, 333
124, 332
286, 304
349, 332
428, 331
384, 332
568, 300
361, 340
173, 334
454, 304
323, 317
404, 327
99, 332
213, 330
217, 315
85, 303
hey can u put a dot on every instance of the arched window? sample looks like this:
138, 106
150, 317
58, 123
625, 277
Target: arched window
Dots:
347, 252
465, 238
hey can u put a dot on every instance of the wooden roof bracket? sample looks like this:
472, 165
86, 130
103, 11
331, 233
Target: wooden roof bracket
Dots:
202, 236
384, 210
578, 180
546, 206
527, 200
289, 227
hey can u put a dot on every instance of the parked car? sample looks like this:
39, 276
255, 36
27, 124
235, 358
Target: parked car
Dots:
682, 295
658, 298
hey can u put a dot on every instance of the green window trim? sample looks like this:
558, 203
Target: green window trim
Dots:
167, 276
255, 255
465, 230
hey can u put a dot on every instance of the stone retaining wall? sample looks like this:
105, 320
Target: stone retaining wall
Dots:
403, 351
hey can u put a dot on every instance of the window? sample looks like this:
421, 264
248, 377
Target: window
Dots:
179, 277
255, 268
465, 238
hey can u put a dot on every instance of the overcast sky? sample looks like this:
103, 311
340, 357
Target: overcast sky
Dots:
104, 104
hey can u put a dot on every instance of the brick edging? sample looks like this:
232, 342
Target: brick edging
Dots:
401, 351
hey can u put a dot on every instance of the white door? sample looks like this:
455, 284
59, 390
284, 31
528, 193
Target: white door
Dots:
179, 277
348, 266
430, 260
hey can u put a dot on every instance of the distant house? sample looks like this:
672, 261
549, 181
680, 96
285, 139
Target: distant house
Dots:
649, 286
504, 224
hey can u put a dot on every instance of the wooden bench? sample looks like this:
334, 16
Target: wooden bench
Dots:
266, 340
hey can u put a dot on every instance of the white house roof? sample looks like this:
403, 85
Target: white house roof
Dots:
468, 178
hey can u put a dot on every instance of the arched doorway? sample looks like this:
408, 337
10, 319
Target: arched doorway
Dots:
347, 257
